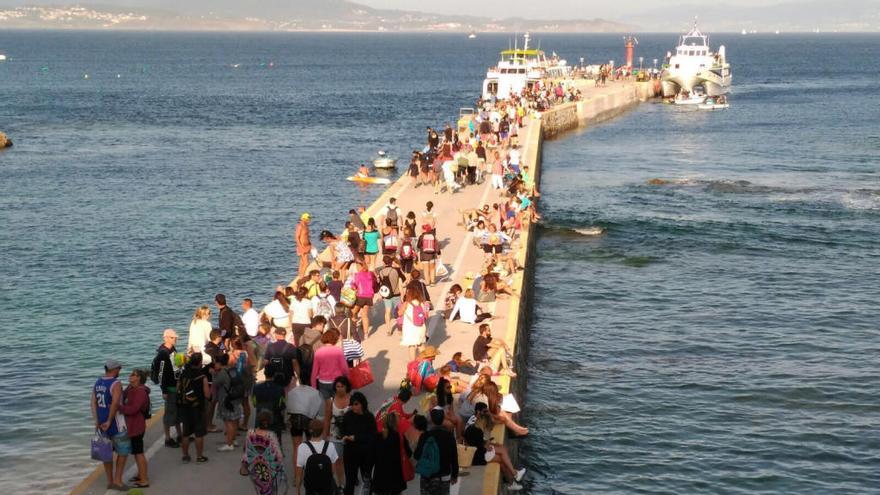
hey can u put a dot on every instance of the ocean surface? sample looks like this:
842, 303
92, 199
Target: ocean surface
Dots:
720, 337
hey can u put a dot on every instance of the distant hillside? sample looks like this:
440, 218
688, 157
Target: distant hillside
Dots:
805, 15
274, 15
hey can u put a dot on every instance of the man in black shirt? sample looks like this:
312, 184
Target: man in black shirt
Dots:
439, 482
225, 318
163, 374
281, 356
491, 351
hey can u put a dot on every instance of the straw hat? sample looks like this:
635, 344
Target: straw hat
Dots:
428, 352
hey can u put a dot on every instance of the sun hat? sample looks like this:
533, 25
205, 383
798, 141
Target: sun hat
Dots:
428, 352
305, 216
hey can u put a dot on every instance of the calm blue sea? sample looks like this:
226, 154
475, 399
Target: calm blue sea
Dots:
720, 337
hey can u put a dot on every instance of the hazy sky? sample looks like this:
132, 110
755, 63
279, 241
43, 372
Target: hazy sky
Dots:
543, 9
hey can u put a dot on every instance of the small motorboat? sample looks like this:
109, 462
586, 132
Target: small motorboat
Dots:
719, 103
369, 180
2, 57
384, 161
685, 99
472, 36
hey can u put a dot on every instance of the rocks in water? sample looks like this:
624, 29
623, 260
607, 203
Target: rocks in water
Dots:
5, 142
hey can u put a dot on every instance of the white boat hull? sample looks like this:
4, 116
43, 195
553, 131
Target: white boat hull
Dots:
713, 106
714, 85
385, 163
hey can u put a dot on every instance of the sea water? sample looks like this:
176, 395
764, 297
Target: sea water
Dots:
718, 336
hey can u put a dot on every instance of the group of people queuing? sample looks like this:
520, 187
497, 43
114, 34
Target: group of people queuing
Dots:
291, 367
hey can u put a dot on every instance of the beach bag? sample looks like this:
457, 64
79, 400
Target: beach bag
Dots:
102, 447
352, 350
429, 462
361, 375
318, 474
348, 296
413, 376
440, 270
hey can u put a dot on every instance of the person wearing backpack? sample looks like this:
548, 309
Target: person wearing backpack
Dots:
281, 357
390, 280
391, 213
413, 321
437, 457
230, 393
269, 396
359, 435
428, 252
193, 392
162, 373
316, 461
407, 250
324, 302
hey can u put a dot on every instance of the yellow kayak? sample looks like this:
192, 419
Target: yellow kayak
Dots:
369, 180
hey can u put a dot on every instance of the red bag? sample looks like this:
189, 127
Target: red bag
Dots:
361, 375
430, 383
415, 378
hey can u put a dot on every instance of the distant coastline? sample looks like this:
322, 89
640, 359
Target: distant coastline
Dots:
356, 21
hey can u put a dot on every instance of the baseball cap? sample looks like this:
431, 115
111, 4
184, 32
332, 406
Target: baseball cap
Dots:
112, 364
305, 216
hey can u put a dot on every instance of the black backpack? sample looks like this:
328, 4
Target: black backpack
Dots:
277, 363
318, 476
157, 364
148, 408
235, 390
189, 390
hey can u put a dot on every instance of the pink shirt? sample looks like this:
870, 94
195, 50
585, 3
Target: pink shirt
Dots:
363, 282
328, 363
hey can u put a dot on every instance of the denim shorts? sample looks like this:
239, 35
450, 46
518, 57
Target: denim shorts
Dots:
391, 302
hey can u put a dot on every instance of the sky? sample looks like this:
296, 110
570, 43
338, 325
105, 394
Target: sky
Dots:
543, 9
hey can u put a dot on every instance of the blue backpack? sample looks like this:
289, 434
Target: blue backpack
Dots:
429, 462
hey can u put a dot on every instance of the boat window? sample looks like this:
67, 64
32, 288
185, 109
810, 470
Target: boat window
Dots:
677, 66
522, 71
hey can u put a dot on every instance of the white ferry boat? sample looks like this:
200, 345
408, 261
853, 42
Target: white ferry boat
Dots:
694, 65
521, 68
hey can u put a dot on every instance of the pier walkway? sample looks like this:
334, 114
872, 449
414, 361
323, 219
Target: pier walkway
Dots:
387, 357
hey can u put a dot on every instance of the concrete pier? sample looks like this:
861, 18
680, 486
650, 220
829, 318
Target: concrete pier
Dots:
388, 359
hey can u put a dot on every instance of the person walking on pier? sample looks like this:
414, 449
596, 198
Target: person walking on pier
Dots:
437, 442
428, 252
359, 435
303, 243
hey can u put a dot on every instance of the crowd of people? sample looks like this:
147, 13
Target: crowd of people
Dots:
297, 365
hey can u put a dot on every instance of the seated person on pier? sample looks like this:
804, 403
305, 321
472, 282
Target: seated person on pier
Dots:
491, 352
